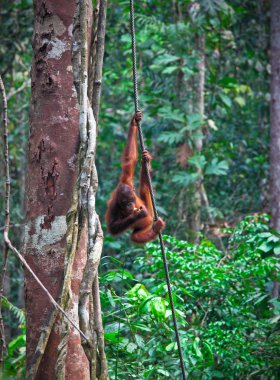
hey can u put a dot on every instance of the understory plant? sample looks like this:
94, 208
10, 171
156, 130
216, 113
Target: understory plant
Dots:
14, 361
228, 322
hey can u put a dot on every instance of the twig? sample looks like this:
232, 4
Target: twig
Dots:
12, 225
260, 370
21, 88
206, 313
223, 259
53, 301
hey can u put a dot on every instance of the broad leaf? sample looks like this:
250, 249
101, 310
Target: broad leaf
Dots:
217, 168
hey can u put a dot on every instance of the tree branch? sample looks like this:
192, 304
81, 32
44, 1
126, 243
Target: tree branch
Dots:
21, 88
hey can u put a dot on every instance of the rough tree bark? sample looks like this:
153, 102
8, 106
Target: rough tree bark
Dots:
51, 176
56, 236
275, 122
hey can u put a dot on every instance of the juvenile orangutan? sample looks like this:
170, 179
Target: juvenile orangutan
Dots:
126, 210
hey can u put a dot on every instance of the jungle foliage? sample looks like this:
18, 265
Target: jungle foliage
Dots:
228, 322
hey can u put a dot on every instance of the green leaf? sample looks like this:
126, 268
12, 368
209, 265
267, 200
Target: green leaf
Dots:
126, 38
275, 319
194, 121
217, 168
218, 374
171, 347
197, 135
18, 313
185, 291
163, 372
164, 59
169, 69
196, 347
171, 114
118, 275
140, 341
240, 100
264, 234
16, 343
225, 99
141, 327
273, 238
277, 250
185, 179
138, 291
170, 138
188, 71
145, 304
198, 161
225, 81
260, 299
266, 246
112, 337
114, 327
131, 347
110, 297
158, 307
214, 6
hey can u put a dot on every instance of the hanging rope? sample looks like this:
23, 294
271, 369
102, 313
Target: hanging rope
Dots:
142, 145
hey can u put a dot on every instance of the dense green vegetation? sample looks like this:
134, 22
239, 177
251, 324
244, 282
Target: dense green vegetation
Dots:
228, 323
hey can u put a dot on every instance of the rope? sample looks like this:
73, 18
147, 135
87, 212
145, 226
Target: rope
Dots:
142, 145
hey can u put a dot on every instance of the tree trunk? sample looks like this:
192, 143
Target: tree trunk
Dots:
275, 115
51, 178
195, 217
275, 122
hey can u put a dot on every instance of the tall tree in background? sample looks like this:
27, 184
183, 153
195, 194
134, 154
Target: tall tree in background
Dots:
195, 216
275, 122
63, 237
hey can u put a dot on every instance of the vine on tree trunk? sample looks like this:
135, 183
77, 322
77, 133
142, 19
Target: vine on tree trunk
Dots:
82, 213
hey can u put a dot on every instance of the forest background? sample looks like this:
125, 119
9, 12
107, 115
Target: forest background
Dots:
204, 83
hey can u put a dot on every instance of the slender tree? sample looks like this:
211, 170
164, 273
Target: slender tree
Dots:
3, 346
275, 122
195, 217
